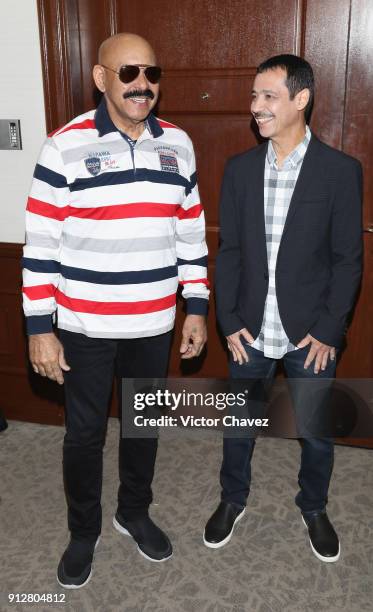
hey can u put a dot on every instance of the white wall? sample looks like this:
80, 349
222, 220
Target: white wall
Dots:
21, 97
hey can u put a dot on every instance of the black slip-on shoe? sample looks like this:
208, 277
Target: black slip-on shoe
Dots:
323, 538
75, 568
152, 542
219, 528
3, 423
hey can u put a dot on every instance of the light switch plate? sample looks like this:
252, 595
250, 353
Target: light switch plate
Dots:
10, 134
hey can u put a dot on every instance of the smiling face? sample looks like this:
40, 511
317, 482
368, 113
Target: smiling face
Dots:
278, 117
128, 103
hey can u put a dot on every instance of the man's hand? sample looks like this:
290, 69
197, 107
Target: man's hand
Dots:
237, 348
319, 352
194, 336
47, 356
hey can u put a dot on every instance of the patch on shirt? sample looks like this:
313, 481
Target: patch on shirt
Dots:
93, 165
168, 162
98, 161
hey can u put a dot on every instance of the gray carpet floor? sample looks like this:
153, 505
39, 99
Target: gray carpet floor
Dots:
267, 567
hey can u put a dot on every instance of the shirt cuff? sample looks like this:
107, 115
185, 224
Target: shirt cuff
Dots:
39, 324
197, 306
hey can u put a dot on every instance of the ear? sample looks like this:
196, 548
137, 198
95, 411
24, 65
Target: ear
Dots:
99, 77
302, 99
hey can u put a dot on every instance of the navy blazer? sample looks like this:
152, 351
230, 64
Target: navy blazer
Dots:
319, 260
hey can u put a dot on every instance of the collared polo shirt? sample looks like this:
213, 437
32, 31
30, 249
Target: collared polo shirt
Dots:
112, 229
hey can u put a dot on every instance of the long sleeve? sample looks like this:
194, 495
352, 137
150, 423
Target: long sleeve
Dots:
191, 248
346, 254
228, 262
46, 210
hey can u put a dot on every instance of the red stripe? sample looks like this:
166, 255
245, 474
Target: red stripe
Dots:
115, 211
115, 308
47, 210
205, 281
39, 292
192, 213
126, 211
87, 124
166, 124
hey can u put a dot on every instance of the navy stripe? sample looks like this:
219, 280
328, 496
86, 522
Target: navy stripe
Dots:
198, 306
131, 176
193, 180
201, 261
49, 176
39, 324
118, 278
48, 266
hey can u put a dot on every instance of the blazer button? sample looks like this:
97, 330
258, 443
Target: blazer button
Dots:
266, 276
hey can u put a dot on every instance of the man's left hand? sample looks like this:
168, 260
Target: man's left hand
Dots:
194, 336
319, 352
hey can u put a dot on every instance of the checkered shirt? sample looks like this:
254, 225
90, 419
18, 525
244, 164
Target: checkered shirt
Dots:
279, 185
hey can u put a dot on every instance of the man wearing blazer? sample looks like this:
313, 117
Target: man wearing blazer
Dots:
287, 274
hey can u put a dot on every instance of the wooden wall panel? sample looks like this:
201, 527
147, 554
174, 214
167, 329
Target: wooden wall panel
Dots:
326, 34
357, 140
24, 395
70, 34
87, 28
216, 34
358, 126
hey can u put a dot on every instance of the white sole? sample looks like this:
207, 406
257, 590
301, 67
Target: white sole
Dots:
79, 586
125, 532
320, 557
229, 536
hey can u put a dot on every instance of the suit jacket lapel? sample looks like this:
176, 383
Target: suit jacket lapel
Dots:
256, 190
305, 177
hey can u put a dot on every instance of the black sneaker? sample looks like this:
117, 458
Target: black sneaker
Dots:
220, 526
323, 538
75, 568
152, 542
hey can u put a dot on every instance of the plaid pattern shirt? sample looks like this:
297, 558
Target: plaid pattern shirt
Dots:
279, 186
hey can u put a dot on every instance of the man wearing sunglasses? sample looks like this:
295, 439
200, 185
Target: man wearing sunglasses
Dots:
114, 224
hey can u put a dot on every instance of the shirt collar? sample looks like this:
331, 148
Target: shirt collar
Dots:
294, 158
104, 124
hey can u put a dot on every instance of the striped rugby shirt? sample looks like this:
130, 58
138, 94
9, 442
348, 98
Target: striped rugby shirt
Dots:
112, 228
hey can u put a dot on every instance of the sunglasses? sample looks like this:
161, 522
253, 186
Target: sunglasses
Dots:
129, 73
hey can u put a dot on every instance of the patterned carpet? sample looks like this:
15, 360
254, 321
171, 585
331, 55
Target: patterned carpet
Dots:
267, 567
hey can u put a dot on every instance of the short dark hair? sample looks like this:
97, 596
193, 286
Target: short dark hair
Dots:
299, 74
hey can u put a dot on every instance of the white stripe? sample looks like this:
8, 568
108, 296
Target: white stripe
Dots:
118, 293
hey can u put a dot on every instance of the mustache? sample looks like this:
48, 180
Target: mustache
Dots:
138, 93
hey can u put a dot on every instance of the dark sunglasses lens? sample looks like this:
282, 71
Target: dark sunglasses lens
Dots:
153, 74
129, 73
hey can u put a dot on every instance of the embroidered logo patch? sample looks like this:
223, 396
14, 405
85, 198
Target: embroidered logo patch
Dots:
168, 162
93, 165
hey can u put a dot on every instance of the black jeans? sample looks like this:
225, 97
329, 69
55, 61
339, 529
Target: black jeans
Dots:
94, 362
317, 453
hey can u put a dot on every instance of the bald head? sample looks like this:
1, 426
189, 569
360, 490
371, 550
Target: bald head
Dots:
123, 44
129, 101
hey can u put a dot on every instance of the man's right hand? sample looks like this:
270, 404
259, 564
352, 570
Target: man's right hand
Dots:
237, 348
47, 356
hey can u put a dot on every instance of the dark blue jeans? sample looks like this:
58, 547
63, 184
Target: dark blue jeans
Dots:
317, 453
